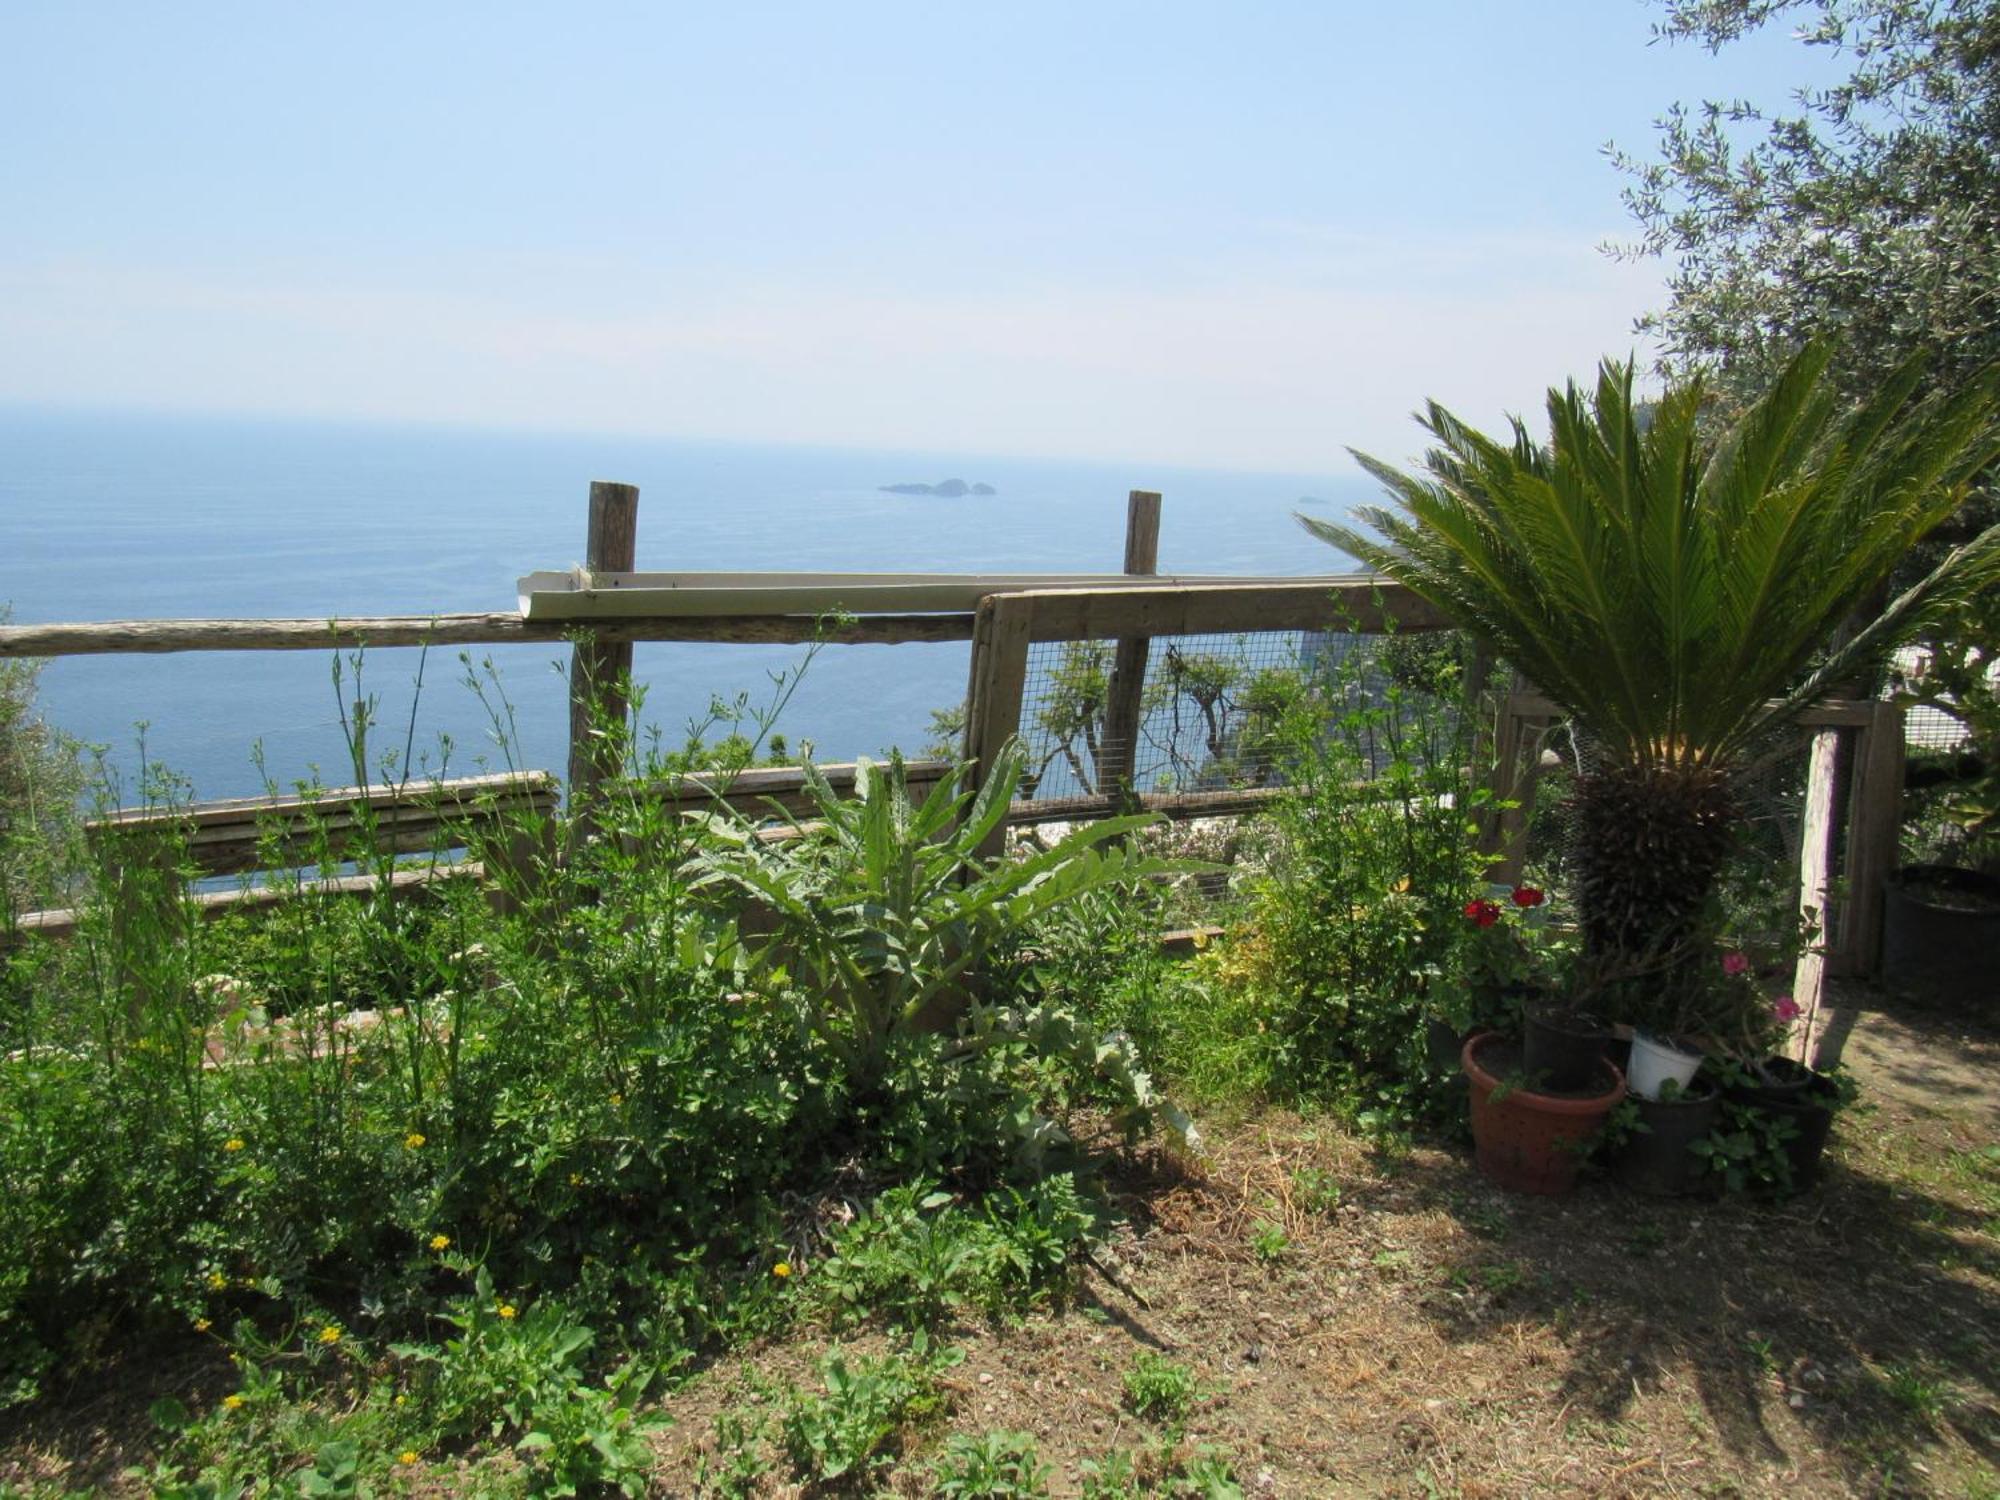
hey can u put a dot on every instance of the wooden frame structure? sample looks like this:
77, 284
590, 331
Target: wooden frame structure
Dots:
1862, 814
1008, 624
1001, 630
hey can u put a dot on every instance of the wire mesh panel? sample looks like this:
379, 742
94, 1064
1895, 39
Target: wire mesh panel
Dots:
1210, 708
1928, 728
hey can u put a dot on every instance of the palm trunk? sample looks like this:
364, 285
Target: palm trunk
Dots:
1650, 845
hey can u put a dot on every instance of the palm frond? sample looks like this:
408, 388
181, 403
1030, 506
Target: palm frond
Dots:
1665, 587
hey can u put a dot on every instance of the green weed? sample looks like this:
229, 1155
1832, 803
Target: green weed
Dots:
1916, 1392
849, 1427
992, 1466
1316, 1190
1270, 1243
1160, 1390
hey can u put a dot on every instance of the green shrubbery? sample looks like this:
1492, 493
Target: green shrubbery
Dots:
496, 1167
494, 1162
1355, 930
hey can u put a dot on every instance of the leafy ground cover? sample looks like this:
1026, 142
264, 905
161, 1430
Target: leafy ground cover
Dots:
1303, 1310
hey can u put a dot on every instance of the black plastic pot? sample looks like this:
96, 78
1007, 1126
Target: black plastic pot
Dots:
1562, 1048
1444, 1042
1796, 1093
1940, 928
1660, 1159
1812, 1113
1779, 1080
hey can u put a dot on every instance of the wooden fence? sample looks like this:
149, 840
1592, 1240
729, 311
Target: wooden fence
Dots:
1001, 630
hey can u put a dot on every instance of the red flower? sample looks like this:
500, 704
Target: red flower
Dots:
1484, 913
1528, 895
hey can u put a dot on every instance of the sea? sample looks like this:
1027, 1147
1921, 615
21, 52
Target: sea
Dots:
109, 516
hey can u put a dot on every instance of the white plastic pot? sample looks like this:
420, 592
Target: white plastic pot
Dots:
1654, 1061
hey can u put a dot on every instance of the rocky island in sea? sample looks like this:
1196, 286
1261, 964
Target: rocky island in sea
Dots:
949, 489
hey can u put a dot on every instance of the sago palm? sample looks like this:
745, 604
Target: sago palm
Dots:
1680, 594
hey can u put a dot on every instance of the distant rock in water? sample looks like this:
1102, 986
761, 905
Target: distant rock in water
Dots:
949, 489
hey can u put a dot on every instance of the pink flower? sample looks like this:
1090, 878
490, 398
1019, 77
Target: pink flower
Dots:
1734, 964
1785, 1008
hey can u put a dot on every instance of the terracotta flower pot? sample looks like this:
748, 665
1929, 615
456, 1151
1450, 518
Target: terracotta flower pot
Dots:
1532, 1142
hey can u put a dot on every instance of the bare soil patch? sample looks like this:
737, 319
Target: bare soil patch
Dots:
1430, 1335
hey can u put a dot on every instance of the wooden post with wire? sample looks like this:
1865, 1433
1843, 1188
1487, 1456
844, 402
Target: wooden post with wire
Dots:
1124, 699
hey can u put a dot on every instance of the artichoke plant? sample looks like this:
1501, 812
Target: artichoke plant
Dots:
881, 907
1679, 593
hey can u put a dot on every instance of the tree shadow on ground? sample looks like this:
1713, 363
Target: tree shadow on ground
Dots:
96, 1426
1858, 1305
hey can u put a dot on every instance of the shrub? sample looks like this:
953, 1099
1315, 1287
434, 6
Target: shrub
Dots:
1359, 928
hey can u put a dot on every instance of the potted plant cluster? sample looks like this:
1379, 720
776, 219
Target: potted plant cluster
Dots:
1541, 1085
1736, 1096
1681, 592
1512, 957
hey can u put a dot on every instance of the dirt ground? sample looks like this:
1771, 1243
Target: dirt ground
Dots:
1430, 1335
1426, 1335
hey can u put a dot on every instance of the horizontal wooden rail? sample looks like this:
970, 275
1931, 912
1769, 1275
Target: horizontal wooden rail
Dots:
208, 905
113, 637
1828, 713
238, 834
776, 788
1227, 802
1360, 603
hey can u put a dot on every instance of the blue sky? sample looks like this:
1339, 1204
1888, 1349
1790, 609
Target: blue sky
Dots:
1238, 235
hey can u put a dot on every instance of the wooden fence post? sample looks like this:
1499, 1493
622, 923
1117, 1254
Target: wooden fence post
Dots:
600, 671
998, 683
1124, 703
1874, 819
1816, 888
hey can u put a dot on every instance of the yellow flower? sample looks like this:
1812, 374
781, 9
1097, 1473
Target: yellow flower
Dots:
576, 1179
202, 1325
413, 1141
234, 1143
232, 1401
401, 1399
506, 1310
782, 1268
617, 1101
330, 1334
217, 1281
407, 1457
440, 1242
